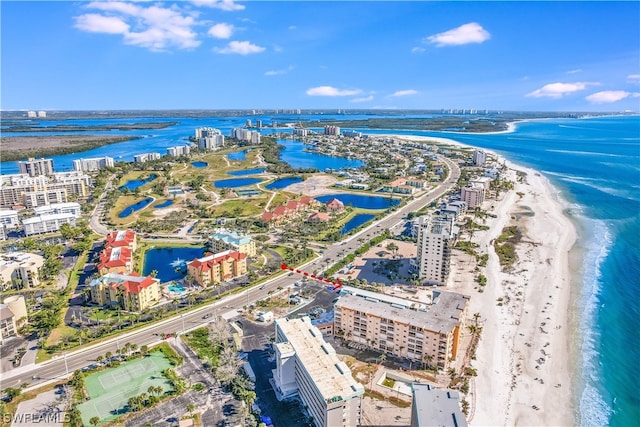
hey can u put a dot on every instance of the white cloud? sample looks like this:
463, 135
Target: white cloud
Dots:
404, 92
558, 90
240, 48
221, 31
363, 99
95, 23
226, 5
418, 49
331, 91
464, 34
292, 27
155, 27
633, 78
576, 71
607, 96
279, 72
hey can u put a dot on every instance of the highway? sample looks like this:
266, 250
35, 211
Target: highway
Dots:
61, 366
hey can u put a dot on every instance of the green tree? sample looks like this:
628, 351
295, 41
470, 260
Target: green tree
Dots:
94, 421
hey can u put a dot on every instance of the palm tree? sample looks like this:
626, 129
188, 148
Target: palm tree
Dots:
476, 316
94, 421
427, 359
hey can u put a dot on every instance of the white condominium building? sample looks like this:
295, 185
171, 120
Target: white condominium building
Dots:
308, 367
21, 189
20, 269
332, 130
59, 208
422, 332
479, 157
91, 165
180, 150
35, 167
209, 139
47, 223
473, 194
9, 218
141, 158
246, 135
436, 238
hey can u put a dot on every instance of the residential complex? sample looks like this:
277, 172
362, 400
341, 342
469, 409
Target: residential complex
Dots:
209, 139
179, 150
217, 268
422, 332
332, 130
121, 238
20, 269
222, 240
31, 192
131, 292
36, 167
472, 195
141, 158
92, 165
8, 218
479, 157
13, 314
308, 367
115, 260
433, 407
436, 238
59, 208
241, 134
47, 223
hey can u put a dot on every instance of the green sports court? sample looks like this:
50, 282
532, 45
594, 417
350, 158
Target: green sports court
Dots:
110, 390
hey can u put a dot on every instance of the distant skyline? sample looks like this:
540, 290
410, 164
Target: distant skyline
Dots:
213, 54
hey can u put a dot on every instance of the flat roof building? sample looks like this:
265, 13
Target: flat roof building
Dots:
20, 270
47, 223
92, 165
419, 331
436, 238
308, 367
433, 407
59, 208
36, 167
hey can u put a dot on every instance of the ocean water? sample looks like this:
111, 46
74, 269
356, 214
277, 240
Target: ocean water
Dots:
595, 164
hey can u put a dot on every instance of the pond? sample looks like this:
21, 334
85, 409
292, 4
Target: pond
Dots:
238, 155
361, 200
247, 172
283, 182
170, 262
137, 183
235, 182
135, 207
356, 222
163, 204
199, 164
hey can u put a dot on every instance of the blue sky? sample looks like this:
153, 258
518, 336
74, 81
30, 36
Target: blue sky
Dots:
212, 54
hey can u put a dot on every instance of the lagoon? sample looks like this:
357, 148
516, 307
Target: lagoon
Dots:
360, 200
283, 182
235, 182
356, 222
294, 153
137, 183
239, 156
247, 172
170, 262
135, 207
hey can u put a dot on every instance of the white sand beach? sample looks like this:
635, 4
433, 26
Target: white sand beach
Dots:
523, 358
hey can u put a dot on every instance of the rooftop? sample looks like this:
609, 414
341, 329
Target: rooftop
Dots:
329, 374
433, 407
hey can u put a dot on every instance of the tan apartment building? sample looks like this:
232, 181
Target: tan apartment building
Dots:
308, 367
131, 292
20, 270
217, 268
22, 189
422, 333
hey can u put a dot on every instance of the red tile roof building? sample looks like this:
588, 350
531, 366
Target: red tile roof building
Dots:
217, 268
293, 207
121, 238
335, 206
131, 292
116, 260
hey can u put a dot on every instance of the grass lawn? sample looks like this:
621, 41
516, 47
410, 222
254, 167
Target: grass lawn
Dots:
240, 207
121, 204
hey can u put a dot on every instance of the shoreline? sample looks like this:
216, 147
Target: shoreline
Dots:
526, 356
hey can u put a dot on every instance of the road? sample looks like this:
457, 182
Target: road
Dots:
60, 367
94, 220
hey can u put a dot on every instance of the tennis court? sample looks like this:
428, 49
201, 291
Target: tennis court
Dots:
110, 390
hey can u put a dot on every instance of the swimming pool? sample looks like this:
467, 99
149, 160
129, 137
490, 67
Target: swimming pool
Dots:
176, 289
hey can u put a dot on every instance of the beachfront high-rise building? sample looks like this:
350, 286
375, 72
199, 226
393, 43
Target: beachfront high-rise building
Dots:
92, 165
308, 367
32, 114
301, 132
209, 139
146, 157
35, 167
332, 130
246, 135
180, 150
422, 332
479, 157
42, 114
433, 407
436, 238
472, 194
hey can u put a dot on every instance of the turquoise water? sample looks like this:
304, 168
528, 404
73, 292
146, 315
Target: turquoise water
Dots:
199, 164
176, 289
163, 204
595, 163
283, 182
361, 200
356, 222
294, 154
137, 183
135, 207
235, 182
170, 263
247, 172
